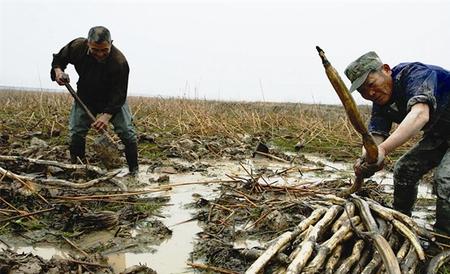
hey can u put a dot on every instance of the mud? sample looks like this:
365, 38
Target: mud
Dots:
203, 218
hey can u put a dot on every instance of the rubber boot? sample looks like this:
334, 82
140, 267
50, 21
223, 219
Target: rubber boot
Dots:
442, 225
131, 154
404, 198
77, 150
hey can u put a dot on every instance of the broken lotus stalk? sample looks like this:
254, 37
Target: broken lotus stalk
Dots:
376, 260
283, 240
316, 254
437, 262
409, 264
333, 260
352, 259
403, 250
362, 262
354, 117
327, 247
380, 243
310, 241
348, 213
391, 214
411, 237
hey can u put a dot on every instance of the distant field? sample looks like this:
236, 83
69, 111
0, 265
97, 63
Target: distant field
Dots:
322, 129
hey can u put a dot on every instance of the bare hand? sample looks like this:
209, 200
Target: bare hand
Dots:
102, 121
366, 170
61, 77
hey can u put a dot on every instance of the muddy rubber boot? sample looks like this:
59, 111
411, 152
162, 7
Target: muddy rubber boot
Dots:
442, 225
131, 154
77, 150
404, 198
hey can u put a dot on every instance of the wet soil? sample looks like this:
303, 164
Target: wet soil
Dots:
200, 201
208, 222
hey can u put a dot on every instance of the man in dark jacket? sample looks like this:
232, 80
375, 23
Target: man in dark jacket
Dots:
416, 96
102, 85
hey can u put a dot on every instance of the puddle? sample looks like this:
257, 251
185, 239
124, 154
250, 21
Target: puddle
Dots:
171, 255
45, 252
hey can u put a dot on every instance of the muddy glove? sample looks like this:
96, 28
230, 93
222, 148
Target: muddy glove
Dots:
102, 121
366, 170
61, 77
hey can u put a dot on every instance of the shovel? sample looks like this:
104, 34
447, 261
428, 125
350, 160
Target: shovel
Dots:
104, 145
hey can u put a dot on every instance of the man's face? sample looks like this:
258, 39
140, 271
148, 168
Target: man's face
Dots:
99, 50
378, 86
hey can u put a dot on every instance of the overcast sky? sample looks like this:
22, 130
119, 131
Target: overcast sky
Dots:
227, 50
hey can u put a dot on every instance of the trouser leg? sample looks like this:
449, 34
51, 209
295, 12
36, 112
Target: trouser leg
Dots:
79, 124
123, 126
409, 169
442, 185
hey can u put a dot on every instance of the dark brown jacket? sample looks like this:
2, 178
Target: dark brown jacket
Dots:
102, 86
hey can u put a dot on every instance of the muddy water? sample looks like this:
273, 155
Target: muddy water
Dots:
171, 256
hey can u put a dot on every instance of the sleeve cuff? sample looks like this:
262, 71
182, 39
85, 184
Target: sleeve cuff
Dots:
382, 133
426, 99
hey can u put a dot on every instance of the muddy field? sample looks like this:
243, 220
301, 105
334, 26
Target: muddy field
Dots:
203, 201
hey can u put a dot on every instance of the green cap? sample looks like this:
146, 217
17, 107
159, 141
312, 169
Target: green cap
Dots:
359, 69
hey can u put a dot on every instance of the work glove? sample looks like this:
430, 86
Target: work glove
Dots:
365, 170
61, 77
102, 121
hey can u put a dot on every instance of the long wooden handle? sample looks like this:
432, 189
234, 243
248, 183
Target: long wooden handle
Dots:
78, 100
350, 108
86, 109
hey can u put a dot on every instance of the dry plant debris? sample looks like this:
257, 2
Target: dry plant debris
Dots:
307, 229
49, 201
47, 193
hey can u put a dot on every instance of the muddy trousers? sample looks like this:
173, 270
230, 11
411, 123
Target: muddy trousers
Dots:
409, 169
122, 121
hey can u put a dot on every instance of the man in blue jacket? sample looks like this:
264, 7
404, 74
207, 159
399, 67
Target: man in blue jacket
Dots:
416, 96
102, 86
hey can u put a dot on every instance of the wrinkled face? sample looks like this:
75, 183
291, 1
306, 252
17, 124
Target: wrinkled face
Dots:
378, 86
99, 50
